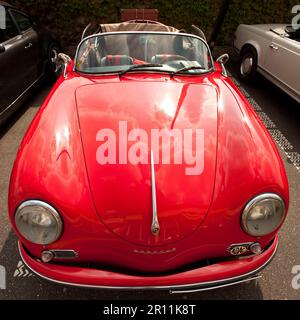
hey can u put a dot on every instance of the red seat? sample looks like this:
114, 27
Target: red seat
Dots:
116, 60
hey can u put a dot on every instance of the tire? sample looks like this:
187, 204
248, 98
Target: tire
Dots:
248, 64
52, 68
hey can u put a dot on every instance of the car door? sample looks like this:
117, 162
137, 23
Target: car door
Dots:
13, 71
32, 45
283, 62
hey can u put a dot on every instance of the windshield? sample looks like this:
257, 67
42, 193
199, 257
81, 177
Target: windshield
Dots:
116, 52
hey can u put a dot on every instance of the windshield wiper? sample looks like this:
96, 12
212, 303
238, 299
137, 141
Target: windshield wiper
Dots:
186, 69
140, 66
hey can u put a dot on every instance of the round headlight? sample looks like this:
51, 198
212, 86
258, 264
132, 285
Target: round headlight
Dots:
263, 214
38, 222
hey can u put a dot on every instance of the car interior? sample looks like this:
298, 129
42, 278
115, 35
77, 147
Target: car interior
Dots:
137, 49
293, 33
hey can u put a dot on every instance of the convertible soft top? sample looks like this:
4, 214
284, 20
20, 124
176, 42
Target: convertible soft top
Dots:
137, 26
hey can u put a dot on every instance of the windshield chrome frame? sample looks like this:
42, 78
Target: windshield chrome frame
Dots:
142, 32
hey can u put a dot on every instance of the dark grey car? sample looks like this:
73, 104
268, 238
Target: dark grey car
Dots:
27, 53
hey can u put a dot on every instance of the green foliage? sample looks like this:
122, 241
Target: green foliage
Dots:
67, 19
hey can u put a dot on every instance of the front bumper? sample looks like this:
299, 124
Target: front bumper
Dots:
205, 278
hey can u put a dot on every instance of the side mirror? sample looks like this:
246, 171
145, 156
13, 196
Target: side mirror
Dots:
223, 59
62, 61
2, 48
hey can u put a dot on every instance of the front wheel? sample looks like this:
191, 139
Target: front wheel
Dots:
248, 64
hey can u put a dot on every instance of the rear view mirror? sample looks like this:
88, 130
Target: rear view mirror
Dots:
223, 60
63, 60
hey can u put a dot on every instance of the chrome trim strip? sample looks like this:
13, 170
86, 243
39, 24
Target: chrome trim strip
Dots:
215, 287
155, 228
64, 254
187, 286
282, 85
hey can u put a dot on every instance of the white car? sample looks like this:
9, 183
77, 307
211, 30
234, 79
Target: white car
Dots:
272, 50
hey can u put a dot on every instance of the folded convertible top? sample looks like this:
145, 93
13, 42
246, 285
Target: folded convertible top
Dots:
136, 26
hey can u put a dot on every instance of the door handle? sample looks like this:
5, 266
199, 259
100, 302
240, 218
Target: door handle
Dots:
272, 46
28, 45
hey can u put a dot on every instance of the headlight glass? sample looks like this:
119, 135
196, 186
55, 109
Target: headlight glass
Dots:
38, 222
263, 214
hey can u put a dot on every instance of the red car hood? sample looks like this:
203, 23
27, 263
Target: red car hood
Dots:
122, 192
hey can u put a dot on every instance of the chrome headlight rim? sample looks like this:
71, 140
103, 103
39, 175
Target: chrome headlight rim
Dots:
49, 208
252, 203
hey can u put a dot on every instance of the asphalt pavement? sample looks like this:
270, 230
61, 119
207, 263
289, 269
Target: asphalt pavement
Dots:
281, 116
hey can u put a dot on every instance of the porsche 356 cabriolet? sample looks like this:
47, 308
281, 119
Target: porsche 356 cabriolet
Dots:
146, 168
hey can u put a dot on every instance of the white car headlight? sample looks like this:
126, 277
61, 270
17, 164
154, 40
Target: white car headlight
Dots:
38, 222
263, 214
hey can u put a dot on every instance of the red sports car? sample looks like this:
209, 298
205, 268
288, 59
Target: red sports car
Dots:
146, 167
